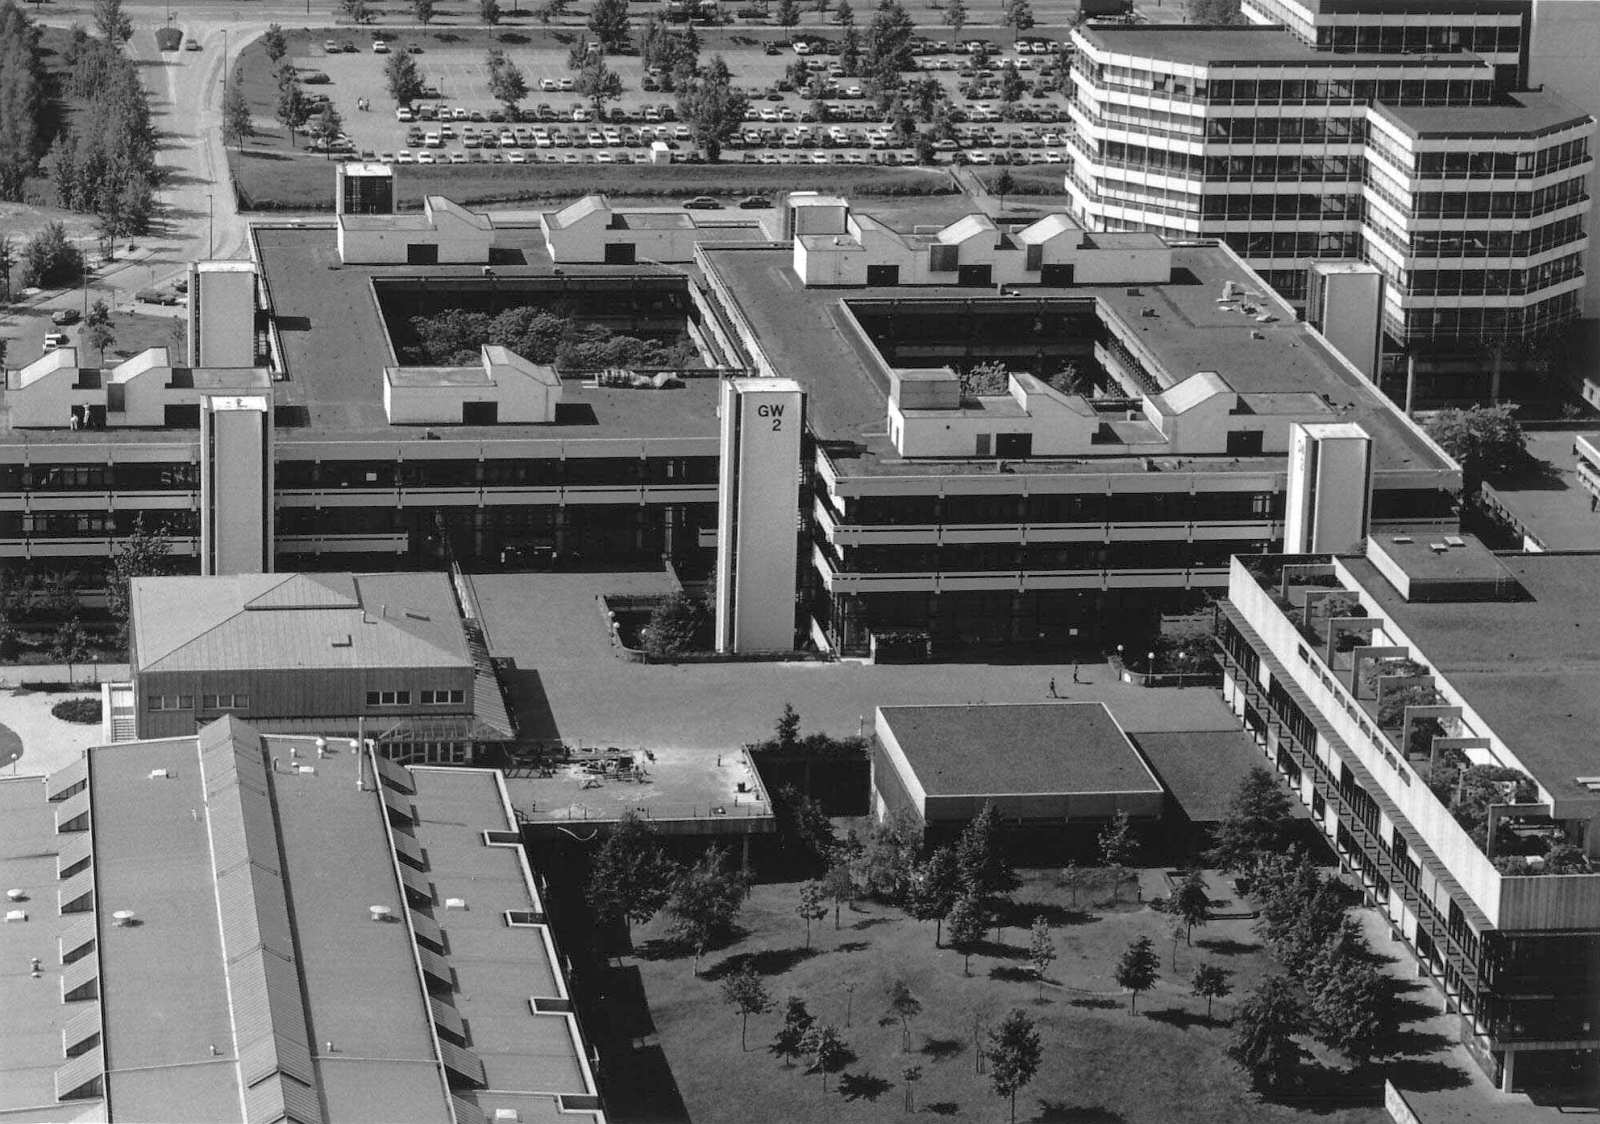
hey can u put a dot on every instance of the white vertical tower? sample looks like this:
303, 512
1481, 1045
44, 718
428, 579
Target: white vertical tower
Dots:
235, 484
757, 492
1344, 301
222, 314
1329, 498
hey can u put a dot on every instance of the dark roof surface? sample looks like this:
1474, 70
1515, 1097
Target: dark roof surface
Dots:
1526, 113
1200, 768
1529, 668
1042, 748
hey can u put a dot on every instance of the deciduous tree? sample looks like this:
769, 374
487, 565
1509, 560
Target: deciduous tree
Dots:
712, 108
788, 13
935, 889
274, 43
1041, 951
1014, 1054
904, 1006
404, 80
705, 899
1117, 841
747, 994
237, 123
812, 906
99, 332
608, 19
599, 83
112, 22
49, 260
1138, 969
508, 86
293, 109
1263, 1033
489, 11
968, 923
327, 127
789, 1042
1209, 983
1191, 902
630, 878
70, 645
827, 1049
1256, 822
1485, 439
955, 16
423, 10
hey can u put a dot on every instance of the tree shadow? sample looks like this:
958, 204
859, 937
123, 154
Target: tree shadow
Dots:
1095, 1004
851, 946
764, 962
1226, 946
1059, 1112
941, 1049
1020, 915
870, 922
1426, 1075
997, 951
942, 1108
1178, 1017
862, 1086
1012, 974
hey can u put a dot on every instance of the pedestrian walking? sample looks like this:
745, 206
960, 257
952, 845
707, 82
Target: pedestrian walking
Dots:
1075, 678
1053, 687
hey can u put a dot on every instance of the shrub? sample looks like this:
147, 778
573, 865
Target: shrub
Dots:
84, 710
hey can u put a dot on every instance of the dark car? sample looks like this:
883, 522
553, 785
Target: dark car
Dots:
156, 296
702, 203
64, 316
754, 203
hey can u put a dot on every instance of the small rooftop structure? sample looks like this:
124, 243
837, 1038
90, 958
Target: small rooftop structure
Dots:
592, 230
1442, 567
146, 391
1046, 763
502, 388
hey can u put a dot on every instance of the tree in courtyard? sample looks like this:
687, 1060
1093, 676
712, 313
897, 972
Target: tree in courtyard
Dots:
787, 728
1263, 1034
49, 260
1041, 951
904, 1006
910, 1075
1117, 841
507, 85
712, 107
112, 22
1485, 439
237, 123
745, 992
489, 11
981, 858
402, 77
1256, 822
812, 906
889, 862
274, 43
1191, 903
704, 901
98, 330
788, 13
1209, 983
789, 1042
598, 82
826, 1048
1176, 929
423, 10
1351, 1007
935, 889
1004, 184
69, 645
677, 625
955, 16
608, 19
1014, 1053
967, 926
841, 887
293, 109
888, 44
630, 877
803, 823
1137, 969
327, 126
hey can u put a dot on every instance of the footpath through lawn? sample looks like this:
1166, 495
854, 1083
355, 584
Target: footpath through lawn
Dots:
1101, 1063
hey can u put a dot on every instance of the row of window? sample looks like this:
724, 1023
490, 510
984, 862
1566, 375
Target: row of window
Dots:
1329, 205
1496, 204
1279, 244
1491, 282
1478, 90
234, 701
1152, 507
440, 697
525, 471
1463, 164
1413, 38
1165, 162
132, 477
979, 557
1455, 323
93, 524
1495, 243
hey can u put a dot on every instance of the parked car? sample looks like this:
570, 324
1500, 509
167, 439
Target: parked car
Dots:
156, 296
61, 317
53, 340
702, 203
191, 45
754, 203
379, 47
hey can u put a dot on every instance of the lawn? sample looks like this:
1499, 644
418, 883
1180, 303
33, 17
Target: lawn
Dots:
1102, 1064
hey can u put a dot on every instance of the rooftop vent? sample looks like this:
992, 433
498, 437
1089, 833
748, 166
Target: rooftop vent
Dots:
1438, 547
122, 918
16, 915
1132, 292
455, 903
1455, 540
322, 747
380, 912
159, 774
416, 616
16, 895
507, 1116
1403, 540
305, 768
341, 641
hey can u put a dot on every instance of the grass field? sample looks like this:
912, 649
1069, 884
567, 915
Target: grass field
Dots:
1102, 1064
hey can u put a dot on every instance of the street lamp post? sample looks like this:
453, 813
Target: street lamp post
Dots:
210, 226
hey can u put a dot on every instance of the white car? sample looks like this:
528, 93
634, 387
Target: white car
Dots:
548, 85
379, 47
458, 158
404, 157
403, 113
516, 158
802, 48
426, 158
53, 340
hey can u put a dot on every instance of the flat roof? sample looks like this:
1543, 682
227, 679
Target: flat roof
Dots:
1216, 45
336, 349
678, 784
1463, 558
1026, 749
1526, 113
1549, 500
807, 334
1200, 768
1529, 667
224, 862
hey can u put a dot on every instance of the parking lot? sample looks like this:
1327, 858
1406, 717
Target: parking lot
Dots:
457, 123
